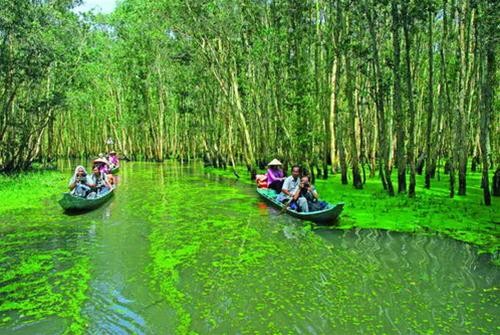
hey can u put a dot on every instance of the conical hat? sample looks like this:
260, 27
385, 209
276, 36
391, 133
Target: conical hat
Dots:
274, 162
100, 160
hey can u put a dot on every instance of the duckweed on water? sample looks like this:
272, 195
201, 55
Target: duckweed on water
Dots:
218, 260
36, 282
464, 218
26, 190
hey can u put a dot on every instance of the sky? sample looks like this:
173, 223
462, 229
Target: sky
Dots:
100, 6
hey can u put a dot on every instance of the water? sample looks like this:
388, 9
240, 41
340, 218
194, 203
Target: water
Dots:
177, 251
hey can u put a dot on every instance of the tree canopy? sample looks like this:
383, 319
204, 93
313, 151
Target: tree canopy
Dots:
349, 87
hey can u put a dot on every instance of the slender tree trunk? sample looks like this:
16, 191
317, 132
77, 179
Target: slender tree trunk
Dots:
333, 111
384, 157
398, 109
356, 176
488, 85
411, 108
430, 160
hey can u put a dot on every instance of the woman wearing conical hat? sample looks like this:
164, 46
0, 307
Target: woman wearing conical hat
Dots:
275, 176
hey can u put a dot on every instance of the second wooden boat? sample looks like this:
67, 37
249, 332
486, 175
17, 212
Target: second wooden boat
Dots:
325, 216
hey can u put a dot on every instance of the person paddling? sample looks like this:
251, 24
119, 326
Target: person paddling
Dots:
275, 176
290, 187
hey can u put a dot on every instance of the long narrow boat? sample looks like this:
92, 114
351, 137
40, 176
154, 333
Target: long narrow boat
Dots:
70, 202
325, 216
115, 170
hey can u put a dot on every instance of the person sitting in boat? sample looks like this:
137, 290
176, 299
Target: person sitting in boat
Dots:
98, 181
308, 192
275, 176
102, 164
113, 159
79, 183
290, 188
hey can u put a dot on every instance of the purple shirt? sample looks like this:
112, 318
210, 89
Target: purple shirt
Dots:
113, 159
103, 168
273, 174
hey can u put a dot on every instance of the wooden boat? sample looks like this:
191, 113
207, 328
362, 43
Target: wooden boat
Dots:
325, 216
70, 202
115, 170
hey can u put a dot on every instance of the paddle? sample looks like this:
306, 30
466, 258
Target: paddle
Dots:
283, 210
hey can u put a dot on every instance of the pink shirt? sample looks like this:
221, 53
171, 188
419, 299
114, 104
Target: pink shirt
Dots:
273, 174
103, 168
113, 159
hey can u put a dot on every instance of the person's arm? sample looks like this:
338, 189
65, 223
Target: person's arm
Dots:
271, 174
312, 190
90, 182
297, 193
106, 182
72, 184
284, 189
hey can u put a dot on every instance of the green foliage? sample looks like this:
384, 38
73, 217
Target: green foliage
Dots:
38, 53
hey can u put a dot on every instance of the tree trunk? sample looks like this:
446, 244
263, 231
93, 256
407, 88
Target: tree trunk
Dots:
488, 84
384, 149
398, 109
411, 108
430, 162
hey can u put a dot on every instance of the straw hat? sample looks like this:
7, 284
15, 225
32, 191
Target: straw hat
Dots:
274, 162
100, 160
112, 152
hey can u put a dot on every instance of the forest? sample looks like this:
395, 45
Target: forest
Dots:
358, 88
134, 142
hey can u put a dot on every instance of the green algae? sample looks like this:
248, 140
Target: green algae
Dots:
225, 264
41, 273
239, 275
29, 190
464, 218
37, 283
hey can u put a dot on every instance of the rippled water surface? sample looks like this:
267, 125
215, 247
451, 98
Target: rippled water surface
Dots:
177, 251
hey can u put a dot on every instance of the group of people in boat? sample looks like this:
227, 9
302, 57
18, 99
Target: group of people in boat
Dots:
295, 191
99, 182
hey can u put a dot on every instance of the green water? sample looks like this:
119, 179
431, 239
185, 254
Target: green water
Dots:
177, 251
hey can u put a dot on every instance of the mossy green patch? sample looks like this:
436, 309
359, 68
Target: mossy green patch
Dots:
29, 190
464, 218
42, 272
215, 259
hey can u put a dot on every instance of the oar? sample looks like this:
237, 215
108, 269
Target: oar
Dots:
283, 210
